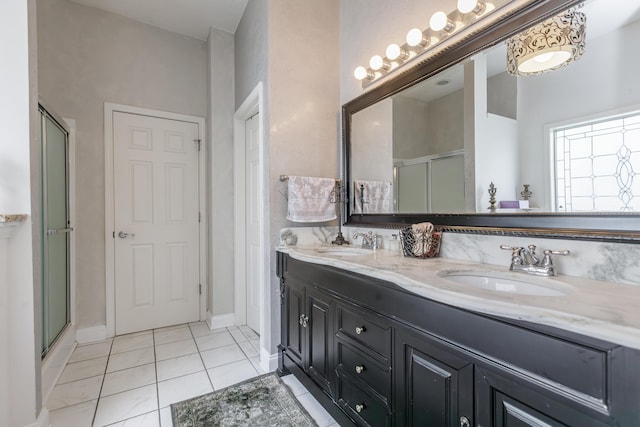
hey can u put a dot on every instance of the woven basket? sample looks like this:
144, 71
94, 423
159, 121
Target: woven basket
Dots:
419, 244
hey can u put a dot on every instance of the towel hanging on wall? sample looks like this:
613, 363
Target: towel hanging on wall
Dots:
376, 196
310, 199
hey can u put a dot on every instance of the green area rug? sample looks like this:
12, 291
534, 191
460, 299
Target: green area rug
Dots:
261, 401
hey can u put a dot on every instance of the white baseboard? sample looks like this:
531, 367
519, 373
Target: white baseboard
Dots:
268, 361
220, 320
43, 419
54, 363
95, 333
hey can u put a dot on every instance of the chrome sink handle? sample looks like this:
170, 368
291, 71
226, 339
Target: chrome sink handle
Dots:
548, 263
516, 253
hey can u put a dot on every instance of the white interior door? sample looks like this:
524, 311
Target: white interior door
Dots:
253, 222
156, 222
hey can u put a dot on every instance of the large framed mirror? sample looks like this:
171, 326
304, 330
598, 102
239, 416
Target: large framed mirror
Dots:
458, 141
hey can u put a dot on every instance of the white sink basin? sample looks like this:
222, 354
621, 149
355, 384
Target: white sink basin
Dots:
504, 283
344, 251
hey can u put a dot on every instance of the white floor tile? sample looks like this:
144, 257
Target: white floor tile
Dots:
238, 335
166, 420
166, 328
128, 404
222, 356
297, 388
150, 419
130, 359
226, 375
179, 366
84, 369
172, 335
175, 349
182, 388
74, 392
132, 342
207, 342
90, 351
313, 407
248, 349
201, 328
80, 415
128, 379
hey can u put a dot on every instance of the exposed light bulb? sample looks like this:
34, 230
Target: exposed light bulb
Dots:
396, 53
439, 21
376, 62
466, 6
415, 37
360, 73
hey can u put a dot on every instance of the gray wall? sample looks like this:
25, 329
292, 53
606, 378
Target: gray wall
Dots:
220, 172
86, 57
410, 128
292, 47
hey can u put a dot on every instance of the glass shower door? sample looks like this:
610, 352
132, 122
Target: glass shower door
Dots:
56, 230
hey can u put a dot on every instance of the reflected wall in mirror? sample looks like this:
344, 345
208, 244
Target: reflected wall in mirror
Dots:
572, 134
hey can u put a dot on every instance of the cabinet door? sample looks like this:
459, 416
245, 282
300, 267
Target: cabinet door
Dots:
503, 401
434, 382
293, 332
319, 342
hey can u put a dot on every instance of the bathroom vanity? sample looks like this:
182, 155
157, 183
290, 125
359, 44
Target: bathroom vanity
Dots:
384, 340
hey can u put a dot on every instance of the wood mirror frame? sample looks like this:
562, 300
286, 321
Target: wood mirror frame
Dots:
612, 227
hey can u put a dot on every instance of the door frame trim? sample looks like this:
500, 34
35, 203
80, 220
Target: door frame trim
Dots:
109, 194
254, 103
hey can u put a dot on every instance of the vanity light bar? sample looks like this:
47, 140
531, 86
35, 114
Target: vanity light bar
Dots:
441, 26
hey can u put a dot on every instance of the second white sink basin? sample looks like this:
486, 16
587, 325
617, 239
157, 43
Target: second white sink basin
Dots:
503, 283
343, 251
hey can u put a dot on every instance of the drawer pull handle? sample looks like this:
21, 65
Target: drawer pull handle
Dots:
464, 422
359, 369
360, 329
303, 320
360, 407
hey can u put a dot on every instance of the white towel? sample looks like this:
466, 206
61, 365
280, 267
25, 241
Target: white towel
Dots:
310, 199
376, 196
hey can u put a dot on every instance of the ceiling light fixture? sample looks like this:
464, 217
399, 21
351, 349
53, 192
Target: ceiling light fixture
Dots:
547, 46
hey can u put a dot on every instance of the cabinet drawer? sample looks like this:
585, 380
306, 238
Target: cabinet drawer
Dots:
364, 329
356, 364
367, 409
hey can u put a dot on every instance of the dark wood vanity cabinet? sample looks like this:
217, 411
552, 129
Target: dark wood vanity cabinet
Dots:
375, 354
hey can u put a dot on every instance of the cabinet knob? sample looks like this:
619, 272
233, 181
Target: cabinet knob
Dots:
360, 329
359, 369
303, 320
360, 407
464, 422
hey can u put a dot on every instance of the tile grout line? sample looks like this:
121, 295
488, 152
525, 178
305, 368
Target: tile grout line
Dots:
204, 366
155, 368
104, 375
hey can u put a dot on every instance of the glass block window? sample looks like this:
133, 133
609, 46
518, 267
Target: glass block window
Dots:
594, 165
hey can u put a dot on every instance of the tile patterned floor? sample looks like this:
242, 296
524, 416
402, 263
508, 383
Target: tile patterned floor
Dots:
131, 380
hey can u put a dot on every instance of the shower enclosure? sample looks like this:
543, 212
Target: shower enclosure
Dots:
56, 227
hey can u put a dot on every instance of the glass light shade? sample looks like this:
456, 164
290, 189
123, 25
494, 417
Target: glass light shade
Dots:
466, 6
360, 73
438, 21
414, 37
376, 62
393, 51
547, 46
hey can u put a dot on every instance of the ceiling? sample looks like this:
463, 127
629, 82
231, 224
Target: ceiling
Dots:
191, 18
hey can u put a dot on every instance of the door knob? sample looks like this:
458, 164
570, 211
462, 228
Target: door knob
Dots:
464, 422
124, 235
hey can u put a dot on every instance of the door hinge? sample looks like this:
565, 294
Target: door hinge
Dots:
114, 234
199, 217
199, 288
197, 141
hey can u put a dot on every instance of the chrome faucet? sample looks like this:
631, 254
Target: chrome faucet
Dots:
369, 240
525, 260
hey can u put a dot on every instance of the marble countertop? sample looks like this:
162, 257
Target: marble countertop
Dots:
9, 222
608, 311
